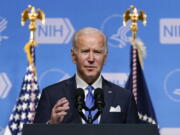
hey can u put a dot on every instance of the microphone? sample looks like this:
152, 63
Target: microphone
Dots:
79, 99
79, 102
99, 99
99, 102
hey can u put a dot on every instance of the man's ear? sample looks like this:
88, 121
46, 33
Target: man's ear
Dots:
73, 56
105, 58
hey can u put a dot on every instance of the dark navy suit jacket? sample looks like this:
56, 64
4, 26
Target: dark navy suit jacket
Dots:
113, 96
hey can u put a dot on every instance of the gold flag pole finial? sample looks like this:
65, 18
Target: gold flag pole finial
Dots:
32, 15
134, 16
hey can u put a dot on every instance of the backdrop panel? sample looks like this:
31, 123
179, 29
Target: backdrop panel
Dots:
161, 37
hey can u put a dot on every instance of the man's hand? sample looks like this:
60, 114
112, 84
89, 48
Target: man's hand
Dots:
59, 111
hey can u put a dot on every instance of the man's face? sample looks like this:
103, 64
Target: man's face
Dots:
89, 56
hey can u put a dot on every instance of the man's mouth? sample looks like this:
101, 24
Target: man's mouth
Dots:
90, 67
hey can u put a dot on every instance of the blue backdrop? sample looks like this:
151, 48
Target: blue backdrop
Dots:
161, 37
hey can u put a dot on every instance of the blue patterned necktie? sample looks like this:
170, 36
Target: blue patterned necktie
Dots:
90, 103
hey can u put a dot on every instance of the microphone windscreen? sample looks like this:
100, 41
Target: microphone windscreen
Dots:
79, 99
99, 92
99, 98
80, 92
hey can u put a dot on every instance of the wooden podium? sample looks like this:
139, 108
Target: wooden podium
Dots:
102, 129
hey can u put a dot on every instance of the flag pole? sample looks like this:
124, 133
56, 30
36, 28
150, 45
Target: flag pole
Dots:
32, 15
133, 16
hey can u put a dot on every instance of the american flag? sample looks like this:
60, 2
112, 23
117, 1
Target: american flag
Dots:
24, 110
137, 84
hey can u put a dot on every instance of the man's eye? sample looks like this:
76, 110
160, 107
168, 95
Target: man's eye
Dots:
98, 52
84, 51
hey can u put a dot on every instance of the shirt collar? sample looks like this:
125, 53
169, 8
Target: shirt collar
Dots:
82, 84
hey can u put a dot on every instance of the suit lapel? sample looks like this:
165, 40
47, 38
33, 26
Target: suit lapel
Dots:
108, 99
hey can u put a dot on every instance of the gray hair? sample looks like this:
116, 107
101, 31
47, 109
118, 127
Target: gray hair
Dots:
88, 30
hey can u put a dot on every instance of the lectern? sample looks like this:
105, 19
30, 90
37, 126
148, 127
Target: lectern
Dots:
102, 129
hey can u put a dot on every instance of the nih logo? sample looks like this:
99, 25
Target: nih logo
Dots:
55, 31
170, 31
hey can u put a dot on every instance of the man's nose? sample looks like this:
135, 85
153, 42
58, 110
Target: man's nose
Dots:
91, 57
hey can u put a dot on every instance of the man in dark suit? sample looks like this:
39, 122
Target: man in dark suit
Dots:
57, 103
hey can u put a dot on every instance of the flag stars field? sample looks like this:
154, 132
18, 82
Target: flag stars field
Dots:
14, 126
16, 117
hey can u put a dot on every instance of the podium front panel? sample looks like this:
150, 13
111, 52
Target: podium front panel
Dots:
102, 129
